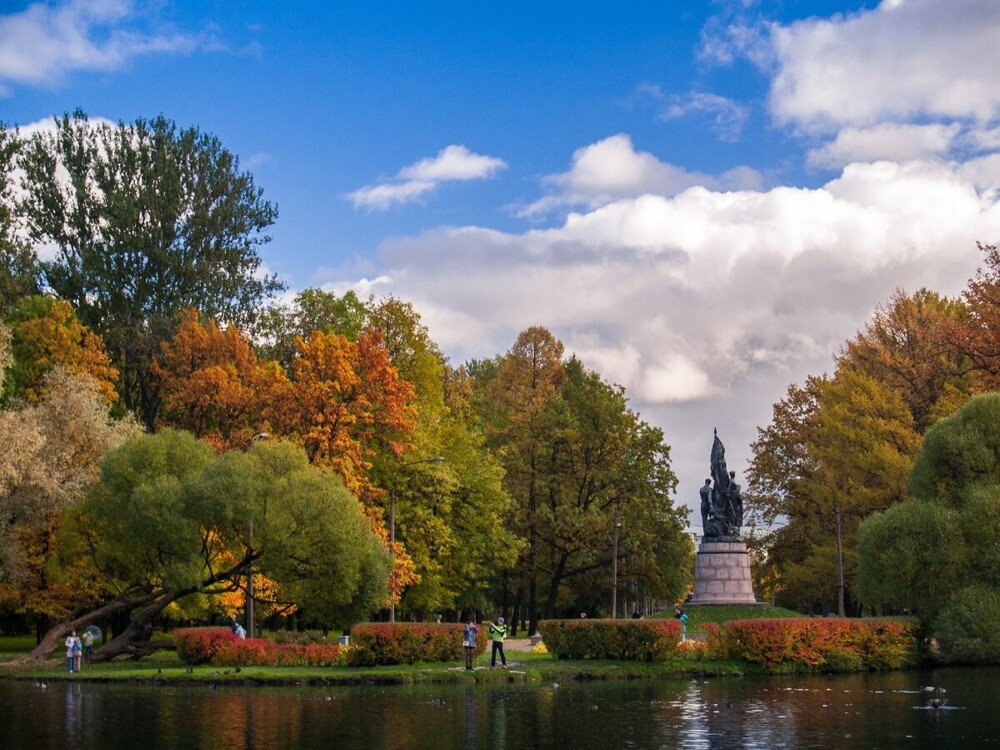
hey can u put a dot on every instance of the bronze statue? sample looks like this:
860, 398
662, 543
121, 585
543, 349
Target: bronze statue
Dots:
721, 504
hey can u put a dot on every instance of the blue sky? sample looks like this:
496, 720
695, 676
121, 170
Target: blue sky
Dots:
701, 199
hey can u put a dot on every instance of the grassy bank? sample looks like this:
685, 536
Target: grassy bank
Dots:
165, 668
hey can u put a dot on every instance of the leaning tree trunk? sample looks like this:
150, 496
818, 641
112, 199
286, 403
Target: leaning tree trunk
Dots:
135, 639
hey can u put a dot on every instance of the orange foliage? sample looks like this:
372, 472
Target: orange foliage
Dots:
343, 401
213, 385
58, 339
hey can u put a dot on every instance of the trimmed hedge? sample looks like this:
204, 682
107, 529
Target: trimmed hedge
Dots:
824, 644
409, 642
626, 640
221, 647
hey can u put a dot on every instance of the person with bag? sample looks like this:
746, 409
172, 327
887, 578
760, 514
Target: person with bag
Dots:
74, 649
469, 641
498, 631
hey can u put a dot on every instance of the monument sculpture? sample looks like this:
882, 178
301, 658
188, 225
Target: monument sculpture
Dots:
722, 566
721, 500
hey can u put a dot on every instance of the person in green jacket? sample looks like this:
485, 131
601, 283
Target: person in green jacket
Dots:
498, 631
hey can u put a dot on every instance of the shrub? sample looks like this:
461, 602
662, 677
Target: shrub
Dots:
406, 643
221, 647
968, 628
627, 640
809, 643
298, 637
199, 645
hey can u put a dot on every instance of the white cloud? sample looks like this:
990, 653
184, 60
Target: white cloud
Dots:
44, 42
412, 183
704, 304
728, 117
896, 142
612, 169
899, 61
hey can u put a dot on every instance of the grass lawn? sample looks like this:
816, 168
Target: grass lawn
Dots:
700, 614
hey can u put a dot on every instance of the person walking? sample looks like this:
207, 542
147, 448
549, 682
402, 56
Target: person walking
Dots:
498, 631
73, 649
679, 615
469, 641
87, 639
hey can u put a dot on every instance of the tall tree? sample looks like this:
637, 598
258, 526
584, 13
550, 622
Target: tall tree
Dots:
19, 272
278, 326
147, 220
910, 345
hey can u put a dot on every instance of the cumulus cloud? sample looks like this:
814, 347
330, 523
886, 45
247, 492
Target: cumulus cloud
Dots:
612, 169
904, 59
44, 42
705, 304
412, 183
893, 141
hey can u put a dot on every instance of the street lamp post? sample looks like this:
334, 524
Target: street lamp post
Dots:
249, 603
614, 564
392, 523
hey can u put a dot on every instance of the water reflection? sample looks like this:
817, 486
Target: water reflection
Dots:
869, 711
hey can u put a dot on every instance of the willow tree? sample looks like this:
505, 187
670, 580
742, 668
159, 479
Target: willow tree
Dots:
169, 519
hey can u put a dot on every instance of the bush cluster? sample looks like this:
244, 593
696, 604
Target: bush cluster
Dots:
198, 645
825, 644
219, 646
406, 643
627, 640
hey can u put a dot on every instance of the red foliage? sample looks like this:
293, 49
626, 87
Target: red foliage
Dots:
880, 644
222, 648
405, 643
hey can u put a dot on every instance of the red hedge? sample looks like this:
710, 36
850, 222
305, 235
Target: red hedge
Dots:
629, 640
408, 642
221, 647
815, 642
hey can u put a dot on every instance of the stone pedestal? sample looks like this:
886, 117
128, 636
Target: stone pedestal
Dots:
722, 574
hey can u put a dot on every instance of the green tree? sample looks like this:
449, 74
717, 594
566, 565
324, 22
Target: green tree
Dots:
168, 514
312, 310
148, 220
932, 553
19, 271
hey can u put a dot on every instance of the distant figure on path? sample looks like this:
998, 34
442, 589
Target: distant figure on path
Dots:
238, 629
679, 615
498, 631
73, 647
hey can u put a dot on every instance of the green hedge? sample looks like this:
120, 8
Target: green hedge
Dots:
406, 643
626, 640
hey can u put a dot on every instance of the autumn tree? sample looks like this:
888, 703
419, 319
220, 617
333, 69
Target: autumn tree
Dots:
147, 220
278, 326
50, 453
911, 346
837, 450
47, 334
213, 384
576, 457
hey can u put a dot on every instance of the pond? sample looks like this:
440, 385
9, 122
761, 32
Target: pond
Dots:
863, 711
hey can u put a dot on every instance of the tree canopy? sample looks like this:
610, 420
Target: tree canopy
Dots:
147, 220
